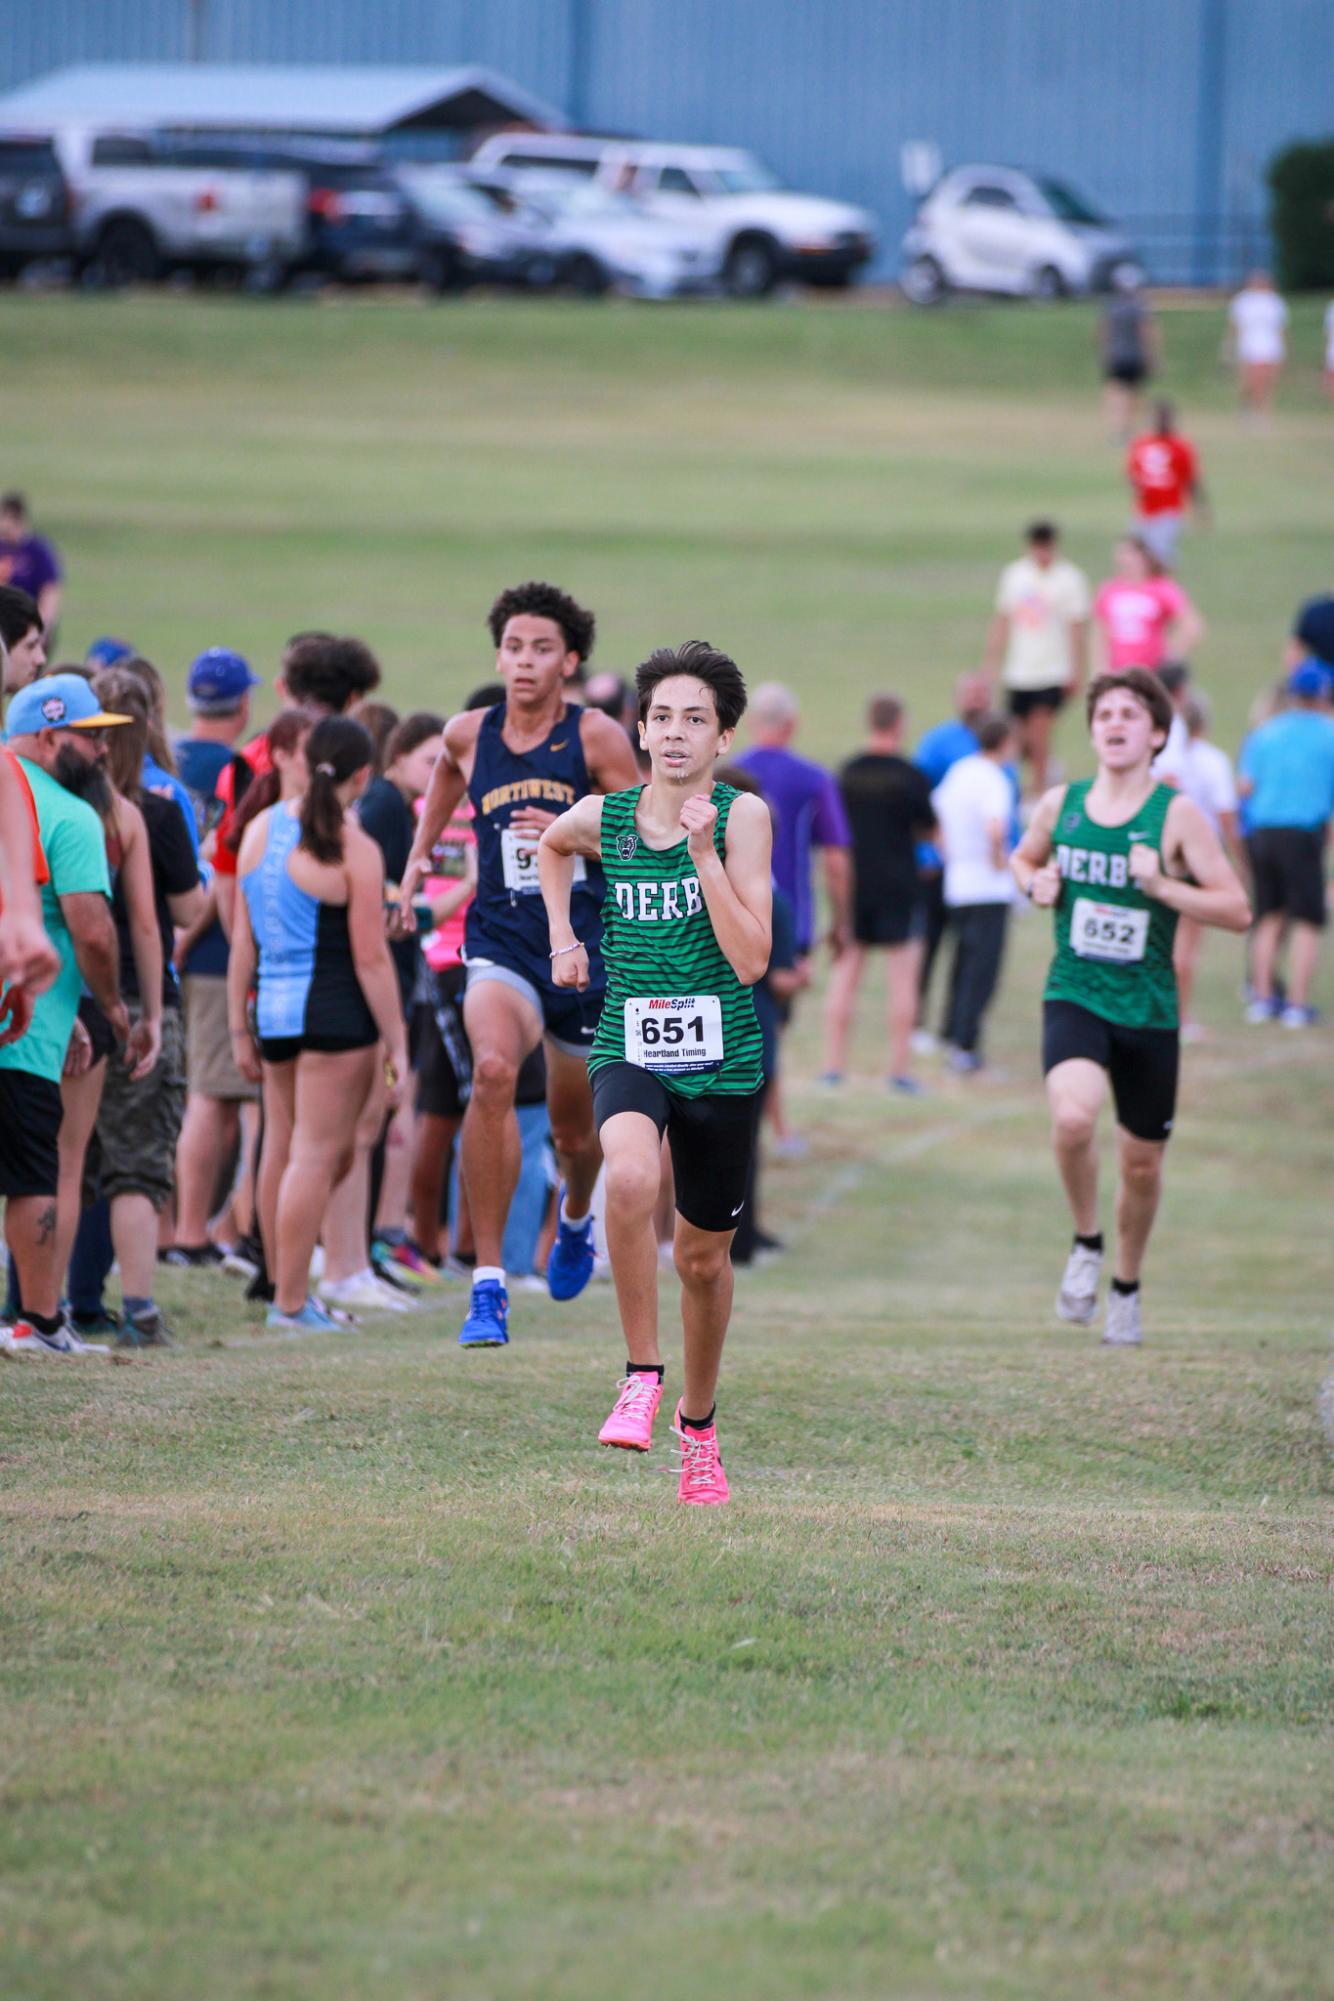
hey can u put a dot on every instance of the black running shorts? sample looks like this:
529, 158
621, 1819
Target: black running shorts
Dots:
1288, 869
30, 1112
1141, 1063
1021, 702
710, 1139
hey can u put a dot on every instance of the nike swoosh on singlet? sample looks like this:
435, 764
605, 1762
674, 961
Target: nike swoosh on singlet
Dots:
559, 746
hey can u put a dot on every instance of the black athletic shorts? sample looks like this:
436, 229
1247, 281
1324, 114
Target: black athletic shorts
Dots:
30, 1114
1141, 1063
1129, 374
1021, 702
891, 919
710, 1139
1288, 867
286, 1048
441, 1055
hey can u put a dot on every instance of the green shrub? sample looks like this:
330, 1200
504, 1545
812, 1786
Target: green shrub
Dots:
1301, 183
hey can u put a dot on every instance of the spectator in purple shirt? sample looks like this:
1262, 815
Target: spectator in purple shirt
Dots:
808, 813
27, 563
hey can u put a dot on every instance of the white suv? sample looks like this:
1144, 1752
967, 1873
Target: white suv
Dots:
764, 232
998, 229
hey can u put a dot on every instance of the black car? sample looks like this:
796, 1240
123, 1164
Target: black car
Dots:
36, 211
362, 225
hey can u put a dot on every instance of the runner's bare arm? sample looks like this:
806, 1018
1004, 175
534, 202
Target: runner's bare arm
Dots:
738, 893
1213, 895
446, 789
578, 832
607, 753
1031, 864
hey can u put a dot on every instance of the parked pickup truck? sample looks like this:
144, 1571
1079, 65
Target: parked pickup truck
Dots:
139, 214
764, 232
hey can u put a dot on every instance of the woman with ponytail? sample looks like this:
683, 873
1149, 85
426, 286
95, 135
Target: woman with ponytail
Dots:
310, 933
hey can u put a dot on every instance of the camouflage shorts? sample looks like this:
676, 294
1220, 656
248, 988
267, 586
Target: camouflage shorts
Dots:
138, 1124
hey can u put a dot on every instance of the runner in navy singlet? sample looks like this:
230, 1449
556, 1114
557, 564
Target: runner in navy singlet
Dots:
523, 762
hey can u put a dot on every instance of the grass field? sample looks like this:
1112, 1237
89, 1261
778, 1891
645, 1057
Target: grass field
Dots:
351, 1667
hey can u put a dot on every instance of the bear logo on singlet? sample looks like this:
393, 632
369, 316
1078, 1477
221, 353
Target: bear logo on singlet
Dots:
626, 845
1071, 822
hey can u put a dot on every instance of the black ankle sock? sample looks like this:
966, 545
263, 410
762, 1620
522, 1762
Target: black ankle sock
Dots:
45, 1323
1093, 1243
1125, 1286
644, 1369
698, 1423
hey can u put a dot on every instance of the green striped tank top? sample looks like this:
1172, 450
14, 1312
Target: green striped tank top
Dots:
674, 1005
1113, 943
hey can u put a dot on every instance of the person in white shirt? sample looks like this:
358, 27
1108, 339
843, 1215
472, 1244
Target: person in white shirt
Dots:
1203, 772
974, 804
1038, 641
1258, 337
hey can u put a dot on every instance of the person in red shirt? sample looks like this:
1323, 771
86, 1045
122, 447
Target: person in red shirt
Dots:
1164, 475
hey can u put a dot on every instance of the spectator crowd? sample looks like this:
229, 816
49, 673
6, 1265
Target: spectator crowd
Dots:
151, 1115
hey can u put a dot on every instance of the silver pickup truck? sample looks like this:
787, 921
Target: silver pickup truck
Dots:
137, 215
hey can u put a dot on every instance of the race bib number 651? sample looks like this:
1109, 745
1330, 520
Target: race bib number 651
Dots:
676, 1034
1108, 931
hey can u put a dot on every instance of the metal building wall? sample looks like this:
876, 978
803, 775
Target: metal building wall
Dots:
1164, 110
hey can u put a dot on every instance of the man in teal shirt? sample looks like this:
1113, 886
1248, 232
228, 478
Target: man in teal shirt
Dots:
1286, 775
57, 730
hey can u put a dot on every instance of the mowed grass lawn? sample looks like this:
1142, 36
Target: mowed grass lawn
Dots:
350, 1666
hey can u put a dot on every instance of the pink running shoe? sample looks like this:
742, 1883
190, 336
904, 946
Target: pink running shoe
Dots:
703, 1481
631, 1422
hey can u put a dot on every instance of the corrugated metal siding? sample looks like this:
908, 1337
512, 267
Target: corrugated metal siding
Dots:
1114, 94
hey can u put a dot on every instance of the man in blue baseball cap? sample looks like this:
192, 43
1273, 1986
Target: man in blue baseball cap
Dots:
56, 728
1286, 775
107, 652
218, 682
218, 691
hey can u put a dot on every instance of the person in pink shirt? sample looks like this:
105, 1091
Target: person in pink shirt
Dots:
443, 1057
1142, 616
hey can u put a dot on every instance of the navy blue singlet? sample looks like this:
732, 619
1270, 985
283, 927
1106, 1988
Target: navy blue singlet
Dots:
507, 920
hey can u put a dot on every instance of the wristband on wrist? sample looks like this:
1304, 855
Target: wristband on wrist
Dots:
561, 950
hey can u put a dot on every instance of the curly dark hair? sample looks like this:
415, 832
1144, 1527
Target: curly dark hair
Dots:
535, 600
327, 672
716, 670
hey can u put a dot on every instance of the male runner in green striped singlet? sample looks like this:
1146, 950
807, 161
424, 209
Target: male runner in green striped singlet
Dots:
1118, 859
686, 934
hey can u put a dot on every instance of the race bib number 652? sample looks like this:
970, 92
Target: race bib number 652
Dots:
1108, 931
676, 1034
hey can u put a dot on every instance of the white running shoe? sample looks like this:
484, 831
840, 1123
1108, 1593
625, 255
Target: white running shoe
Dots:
21, 1341
1077, 1300
67, 1341
1122, 1328
922, 1042
363, 1293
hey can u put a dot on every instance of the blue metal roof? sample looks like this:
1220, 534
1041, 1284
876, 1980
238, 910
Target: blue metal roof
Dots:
352, 98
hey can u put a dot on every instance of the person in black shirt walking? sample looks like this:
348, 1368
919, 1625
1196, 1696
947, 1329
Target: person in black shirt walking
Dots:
888, 803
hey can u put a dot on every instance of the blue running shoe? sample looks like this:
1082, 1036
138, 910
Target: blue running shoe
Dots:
570, 1265
311, 1319
487, 1324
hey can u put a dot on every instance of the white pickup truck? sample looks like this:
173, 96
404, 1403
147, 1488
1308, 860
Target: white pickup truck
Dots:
138, 215
763, 231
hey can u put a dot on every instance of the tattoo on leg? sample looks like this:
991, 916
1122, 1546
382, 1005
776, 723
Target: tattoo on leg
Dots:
46, 1224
